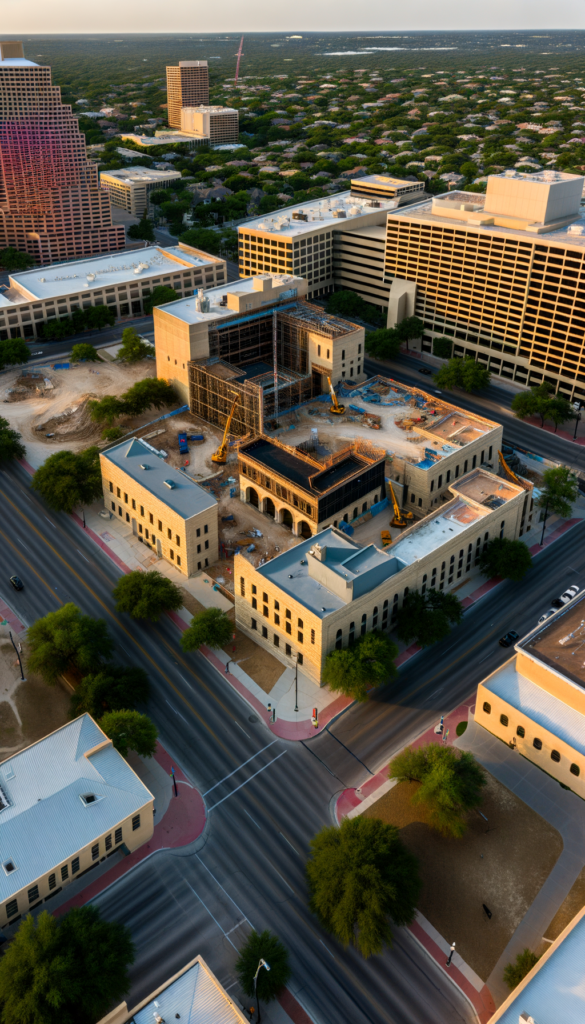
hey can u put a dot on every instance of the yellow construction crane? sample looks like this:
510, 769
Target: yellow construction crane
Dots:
510, 473
221, 454
398, 519
336, 408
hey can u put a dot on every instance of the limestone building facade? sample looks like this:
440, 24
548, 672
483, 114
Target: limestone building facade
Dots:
187, 86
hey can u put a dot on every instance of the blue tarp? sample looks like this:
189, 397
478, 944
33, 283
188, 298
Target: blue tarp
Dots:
379, 507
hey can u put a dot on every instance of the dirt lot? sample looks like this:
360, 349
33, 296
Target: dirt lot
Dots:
29, 710
574, 902
502, 862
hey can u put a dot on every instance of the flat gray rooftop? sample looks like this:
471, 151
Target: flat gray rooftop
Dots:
183, 496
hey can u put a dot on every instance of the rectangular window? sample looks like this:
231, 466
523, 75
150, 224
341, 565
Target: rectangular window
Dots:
52, 881
178, 560
276, 619
300, 637
254, 623
160, 525
206, 545
12, 908
111, 487
169, 534
172, 554
33, 893
300, 623
205, 528
198, 531
64, 872
117, 492
133, 504
265, 632
151, 518
288, 627
254, 603
114, 505
199, 549
95, 852
125, 499
178, 539
109, 842
75, 865
299, 658
242, 587
135, 822
287, 650
118, 836
312, 636
142, 510
276, 640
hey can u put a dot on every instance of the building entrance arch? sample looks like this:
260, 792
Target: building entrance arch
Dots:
304, 530
252, 497
286, 518
269, 507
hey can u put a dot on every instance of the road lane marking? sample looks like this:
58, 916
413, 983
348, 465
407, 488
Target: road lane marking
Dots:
211, 915
236, 926
226, 777
203, 865
16, 548
52, 524
282, 879
83, 556
289, 843
240, 727
325, 947
247, 781
175, 710
252, 820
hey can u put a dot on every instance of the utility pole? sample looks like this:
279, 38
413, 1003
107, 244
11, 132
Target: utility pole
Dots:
22, 676
274, 355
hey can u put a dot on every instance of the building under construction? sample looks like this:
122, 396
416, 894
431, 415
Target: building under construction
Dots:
258, 341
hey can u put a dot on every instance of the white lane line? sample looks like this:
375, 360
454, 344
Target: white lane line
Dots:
240, 727
251, 819
324, 947
235, 926
52, 524
289, 843
82, 555
176, 712
226, 777
282, 879
223, 890
247, 781
211, 915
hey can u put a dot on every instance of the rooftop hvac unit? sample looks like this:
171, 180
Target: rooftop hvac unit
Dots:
299, 215
354, 210
339, 213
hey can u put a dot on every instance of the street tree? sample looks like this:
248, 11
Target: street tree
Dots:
67, 479
384, 343
362, 879
67, 638
211, 627
516, 971
113, 688
12, 259
465, 374
368, 662
133, 347
64, 970
84, 351
429, 617
13, 352
263, 946
443, 347
97, 317
146, 394
542, 401
160, 295
409, 328
451, 783
146, 595
144, 230
11, 446
508, 559
559, 491
129, 730
106, 409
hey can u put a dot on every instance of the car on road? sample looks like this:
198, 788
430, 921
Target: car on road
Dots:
17, 582
510, 638
425, 369
567, 596
546, 616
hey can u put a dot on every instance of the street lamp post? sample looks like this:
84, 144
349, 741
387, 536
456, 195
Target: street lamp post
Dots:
261, 963
544, 522
297, 684
577, 421
450, 957
22, 676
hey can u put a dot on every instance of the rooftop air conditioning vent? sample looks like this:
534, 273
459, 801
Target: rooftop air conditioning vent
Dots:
170, 484
88, 798
4, 801
144, 465
9, 866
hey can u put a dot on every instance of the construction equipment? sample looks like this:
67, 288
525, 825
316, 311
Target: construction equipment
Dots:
221, 454
511, 475
336, 408
399, 519
386, 538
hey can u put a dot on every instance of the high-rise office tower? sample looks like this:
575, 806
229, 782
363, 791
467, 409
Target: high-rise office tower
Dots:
187, 86
51, 205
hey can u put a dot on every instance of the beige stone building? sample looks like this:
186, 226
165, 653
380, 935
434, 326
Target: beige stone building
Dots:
536, 701
220, 125
168, 511
324, 593
500, 274
130, 187
67, 803
187, 86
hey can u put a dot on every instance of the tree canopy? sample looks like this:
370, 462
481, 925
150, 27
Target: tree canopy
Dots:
13, 352
361, 880
113, 688
516, 971
263, 946
64, 970
542, 401
210, 627
450, 783
12, 259
133, 347
11, 446
560, 491
347, 303
409, 328
443, 347
143, 230
384, 343
146, 595
152, 391
367, 662
67, 638
67, 479
84, 351
429, 617
160, 295
508, 559
463, 373
129, 730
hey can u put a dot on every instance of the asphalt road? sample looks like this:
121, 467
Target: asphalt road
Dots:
262, 816
495, 403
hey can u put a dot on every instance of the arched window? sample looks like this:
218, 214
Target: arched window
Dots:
536, 743
364, 624
555, 756
574, 769
339, 640
375, 617
487, 707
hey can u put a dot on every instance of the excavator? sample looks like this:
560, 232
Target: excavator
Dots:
336, 408
221, 454
399, 519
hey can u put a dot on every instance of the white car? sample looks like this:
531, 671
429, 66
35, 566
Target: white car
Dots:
546, 616
567, 596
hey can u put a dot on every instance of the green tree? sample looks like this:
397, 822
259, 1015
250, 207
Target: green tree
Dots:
13, 260
361, 879
409, 328
129, 730
526, 404
64, 970
146, 394
508, 559
515, 972
84, 351
443, 347
67, 638
13, 352
349, 304
143, 230
211, 627
67, 479
159, 296
11, 446
559, 492
97, 317
158, 198
429, 617
263, 946
559, 410
450, 783
463, 373
106, 409
354, 669
114, 688
112, 433
146, 595
133, 347
384, 343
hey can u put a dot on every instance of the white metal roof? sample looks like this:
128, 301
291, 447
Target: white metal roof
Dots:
185, 309
46, 822
196, 996
177, 490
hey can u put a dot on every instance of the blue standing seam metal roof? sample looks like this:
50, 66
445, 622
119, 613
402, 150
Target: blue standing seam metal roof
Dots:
196, 997
185, 497
46, 822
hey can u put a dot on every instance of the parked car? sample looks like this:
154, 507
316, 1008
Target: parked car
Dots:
565, 597
509, 639
546, 616
425, 369
17, 582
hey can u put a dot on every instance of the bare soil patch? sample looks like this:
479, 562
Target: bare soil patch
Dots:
28, 710
259, 664
571, 905
502, 862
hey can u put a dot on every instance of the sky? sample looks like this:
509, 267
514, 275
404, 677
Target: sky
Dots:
69, 16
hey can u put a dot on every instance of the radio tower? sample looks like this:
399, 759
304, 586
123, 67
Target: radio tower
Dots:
238, 55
